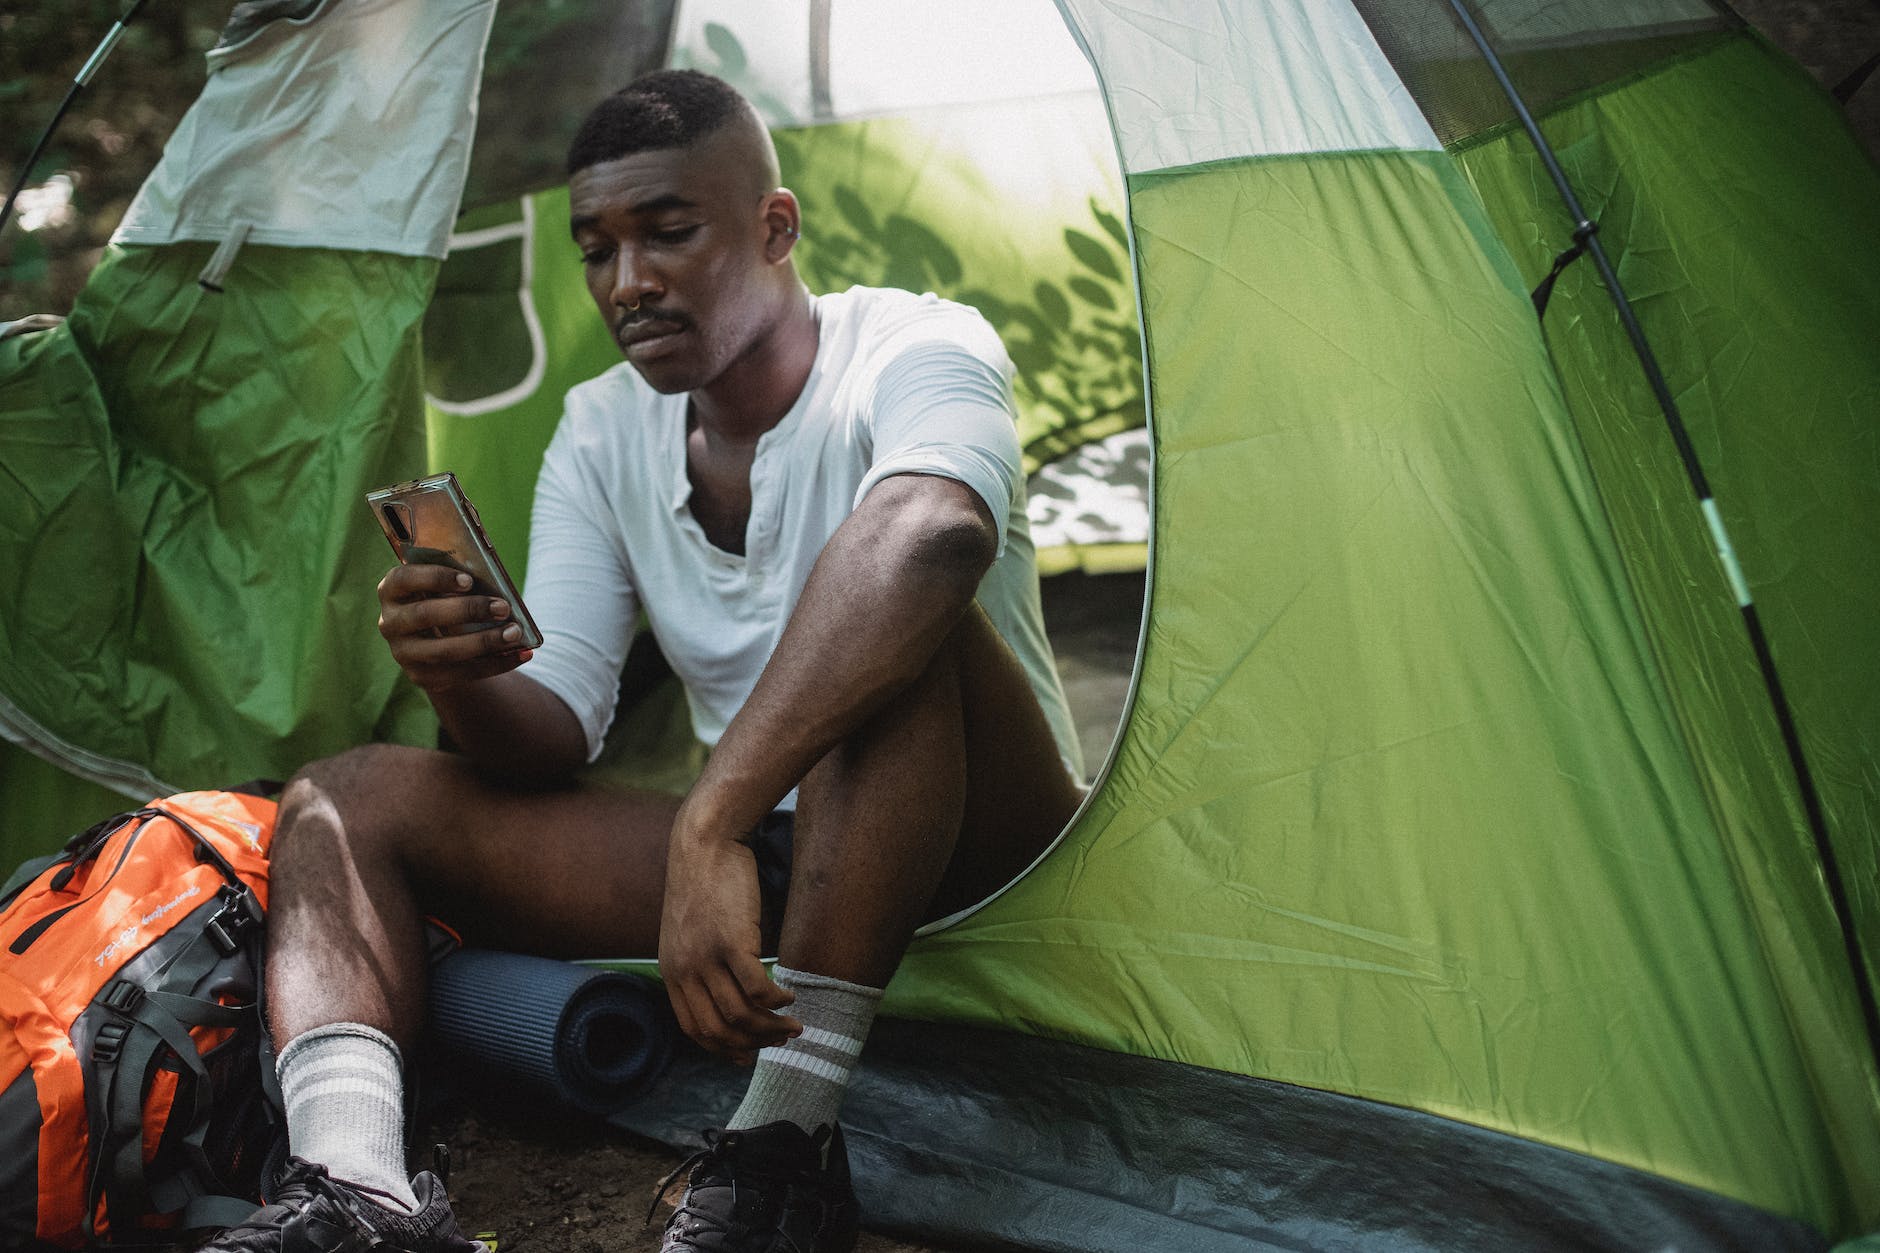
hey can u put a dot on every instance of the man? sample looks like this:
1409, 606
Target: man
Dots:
817, 501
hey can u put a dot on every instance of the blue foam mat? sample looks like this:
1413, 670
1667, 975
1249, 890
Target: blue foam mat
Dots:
590, 1038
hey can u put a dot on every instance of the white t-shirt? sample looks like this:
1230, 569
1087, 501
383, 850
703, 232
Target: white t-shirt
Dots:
901, 383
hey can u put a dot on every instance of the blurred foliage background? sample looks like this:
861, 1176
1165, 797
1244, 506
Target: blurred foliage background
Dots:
106, 144
116, 130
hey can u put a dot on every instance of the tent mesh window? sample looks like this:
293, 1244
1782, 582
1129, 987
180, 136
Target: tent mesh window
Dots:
1552, 51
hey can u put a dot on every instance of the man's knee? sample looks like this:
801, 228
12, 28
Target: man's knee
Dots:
352, 800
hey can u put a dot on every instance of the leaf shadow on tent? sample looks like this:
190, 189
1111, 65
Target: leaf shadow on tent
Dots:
901, 212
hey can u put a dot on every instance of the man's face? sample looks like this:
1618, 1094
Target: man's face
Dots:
680, 233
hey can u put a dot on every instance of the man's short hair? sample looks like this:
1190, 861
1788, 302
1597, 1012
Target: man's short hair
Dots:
663, 109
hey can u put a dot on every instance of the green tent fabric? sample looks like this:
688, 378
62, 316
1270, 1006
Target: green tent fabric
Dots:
186, 455
1774, 385
1449, 781
1448, 885
225, 527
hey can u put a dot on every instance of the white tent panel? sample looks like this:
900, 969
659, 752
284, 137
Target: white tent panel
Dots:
902, 55
884, 56
1191, 81
331, 164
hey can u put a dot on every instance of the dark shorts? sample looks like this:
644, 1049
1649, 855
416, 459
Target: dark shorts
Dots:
772, 841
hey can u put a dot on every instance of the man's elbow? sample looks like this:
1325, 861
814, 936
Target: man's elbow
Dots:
952, 537
959, 549
945, 529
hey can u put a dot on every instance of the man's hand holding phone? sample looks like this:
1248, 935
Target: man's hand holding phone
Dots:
442, 633
448, 609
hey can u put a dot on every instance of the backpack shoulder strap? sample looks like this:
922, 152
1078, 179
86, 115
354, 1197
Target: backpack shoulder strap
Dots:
148, 1025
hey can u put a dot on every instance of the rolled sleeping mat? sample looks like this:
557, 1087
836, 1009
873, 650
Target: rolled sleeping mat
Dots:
591, 1038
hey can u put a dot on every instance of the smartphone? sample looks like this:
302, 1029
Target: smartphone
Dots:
430, 521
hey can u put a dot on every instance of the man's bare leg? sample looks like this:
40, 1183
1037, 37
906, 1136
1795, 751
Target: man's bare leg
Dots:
371, 841
938, 800
942, 798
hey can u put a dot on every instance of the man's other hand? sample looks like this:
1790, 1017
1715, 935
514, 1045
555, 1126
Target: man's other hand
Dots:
422, 609
710, 941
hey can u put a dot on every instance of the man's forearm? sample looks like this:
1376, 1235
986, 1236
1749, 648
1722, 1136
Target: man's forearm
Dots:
888, 587
512, 727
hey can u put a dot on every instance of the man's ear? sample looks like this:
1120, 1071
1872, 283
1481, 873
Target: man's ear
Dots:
782, 224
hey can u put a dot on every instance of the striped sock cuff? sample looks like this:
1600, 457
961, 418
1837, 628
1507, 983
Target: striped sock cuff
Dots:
789, 978
343, 1089
332, 1031
803, 1080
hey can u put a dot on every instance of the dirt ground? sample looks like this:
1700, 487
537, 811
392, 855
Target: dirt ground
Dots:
543, 1183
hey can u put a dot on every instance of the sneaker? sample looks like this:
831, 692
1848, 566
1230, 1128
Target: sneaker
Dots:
308, 1211
769, 1189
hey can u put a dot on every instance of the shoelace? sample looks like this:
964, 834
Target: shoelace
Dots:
310, 1181
717, 1144
713, 1142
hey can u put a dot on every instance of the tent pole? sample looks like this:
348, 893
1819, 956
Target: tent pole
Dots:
1586, 234
822, 106
79, 82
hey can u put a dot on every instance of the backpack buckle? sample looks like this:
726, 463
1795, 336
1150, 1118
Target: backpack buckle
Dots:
110, 1042
238, 916
122, 995
224, 932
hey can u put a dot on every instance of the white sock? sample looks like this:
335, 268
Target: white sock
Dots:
343, 1086
804, 1080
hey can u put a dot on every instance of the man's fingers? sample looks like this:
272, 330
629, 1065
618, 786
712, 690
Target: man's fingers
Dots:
454, 655
414, 582
699, 1019
706, 1023
444, 650
714, 1012
430, 613
680, 1008
748, 1025
758, 986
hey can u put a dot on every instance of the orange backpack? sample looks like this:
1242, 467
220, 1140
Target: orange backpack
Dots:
136, 1082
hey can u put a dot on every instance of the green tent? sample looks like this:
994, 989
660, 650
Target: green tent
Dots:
1450, 883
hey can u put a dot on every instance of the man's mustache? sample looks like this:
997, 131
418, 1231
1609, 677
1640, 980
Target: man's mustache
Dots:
645, 316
